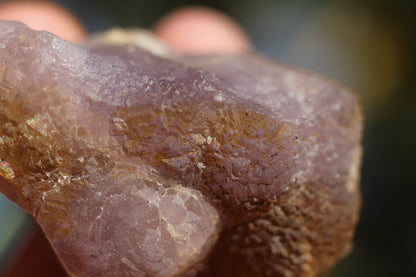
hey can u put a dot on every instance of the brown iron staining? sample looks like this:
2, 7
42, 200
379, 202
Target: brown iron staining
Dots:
212, 148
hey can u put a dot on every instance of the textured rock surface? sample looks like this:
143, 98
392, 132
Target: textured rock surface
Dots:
138, 165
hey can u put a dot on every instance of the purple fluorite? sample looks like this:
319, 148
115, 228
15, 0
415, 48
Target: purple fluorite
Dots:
141, 165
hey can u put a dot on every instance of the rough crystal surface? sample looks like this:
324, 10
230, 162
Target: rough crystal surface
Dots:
141, 165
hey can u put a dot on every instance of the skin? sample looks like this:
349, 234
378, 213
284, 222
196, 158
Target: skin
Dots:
44, 16
199, 30
188, 30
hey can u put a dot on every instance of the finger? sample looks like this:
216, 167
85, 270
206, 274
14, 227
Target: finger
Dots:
200, 30
44, 16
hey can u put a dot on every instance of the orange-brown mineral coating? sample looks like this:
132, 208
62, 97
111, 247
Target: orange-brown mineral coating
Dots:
115, 150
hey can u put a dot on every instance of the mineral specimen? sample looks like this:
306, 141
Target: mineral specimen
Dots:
136, 164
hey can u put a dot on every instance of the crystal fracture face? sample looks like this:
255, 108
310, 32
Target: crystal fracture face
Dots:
141, 165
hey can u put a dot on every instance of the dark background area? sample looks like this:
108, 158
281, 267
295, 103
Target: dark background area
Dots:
366, 45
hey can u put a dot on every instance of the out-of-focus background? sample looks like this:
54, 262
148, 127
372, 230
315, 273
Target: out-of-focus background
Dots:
367, 45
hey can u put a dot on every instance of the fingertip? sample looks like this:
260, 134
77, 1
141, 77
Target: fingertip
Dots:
42, 15
201, 30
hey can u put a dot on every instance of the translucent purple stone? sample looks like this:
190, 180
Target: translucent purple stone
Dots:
141, 165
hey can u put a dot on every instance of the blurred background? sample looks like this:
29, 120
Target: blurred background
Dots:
367, 45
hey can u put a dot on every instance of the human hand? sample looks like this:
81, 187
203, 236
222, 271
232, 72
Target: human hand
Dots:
189, 30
